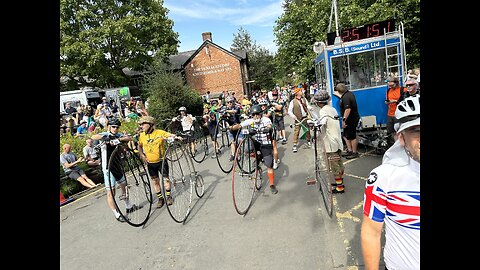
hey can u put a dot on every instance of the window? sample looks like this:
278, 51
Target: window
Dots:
361, 70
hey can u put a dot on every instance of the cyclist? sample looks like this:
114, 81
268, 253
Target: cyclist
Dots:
392, 196
113, 175
187, 121
233, 117
331, 136
279, 104
151, 147
262, 139
298, 109
270, 113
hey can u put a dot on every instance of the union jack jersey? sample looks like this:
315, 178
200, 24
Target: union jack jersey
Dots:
392, 195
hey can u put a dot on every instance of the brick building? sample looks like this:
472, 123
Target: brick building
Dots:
213, 68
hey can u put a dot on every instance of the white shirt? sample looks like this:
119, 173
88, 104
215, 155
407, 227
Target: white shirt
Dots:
330, 130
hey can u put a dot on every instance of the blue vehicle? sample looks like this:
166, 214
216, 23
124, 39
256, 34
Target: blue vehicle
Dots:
363, 58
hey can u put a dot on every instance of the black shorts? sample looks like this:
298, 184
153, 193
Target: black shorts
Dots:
350, 131
154, 168
266, 153
279, 123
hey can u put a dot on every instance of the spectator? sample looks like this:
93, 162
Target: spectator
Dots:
82, 129
69, 163
298, 109
115, 109
71, 111
417, 72
393, 96
350, 119
392, 197
412, 88
151, 147
332, 138
91, 156
113, 175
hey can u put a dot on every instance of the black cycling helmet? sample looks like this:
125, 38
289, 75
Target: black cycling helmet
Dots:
256, 109
114, 121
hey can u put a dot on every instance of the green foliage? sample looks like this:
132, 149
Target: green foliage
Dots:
78, 142
262, 68
305, 22
98, 39
167, 92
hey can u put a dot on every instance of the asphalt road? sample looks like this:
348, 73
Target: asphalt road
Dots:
288, 230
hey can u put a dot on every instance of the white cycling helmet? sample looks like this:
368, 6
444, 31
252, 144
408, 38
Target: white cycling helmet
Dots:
182, 109
408, 113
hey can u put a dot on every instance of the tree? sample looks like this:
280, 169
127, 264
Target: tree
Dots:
167, 92
99, 39
243, 41
305, 22
262, 69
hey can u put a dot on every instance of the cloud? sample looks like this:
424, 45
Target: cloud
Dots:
242, 14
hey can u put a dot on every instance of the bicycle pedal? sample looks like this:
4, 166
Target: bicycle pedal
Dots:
311, 182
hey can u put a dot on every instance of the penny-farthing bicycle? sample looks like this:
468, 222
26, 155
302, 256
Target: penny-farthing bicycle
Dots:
246, 172
183, 179
133, 184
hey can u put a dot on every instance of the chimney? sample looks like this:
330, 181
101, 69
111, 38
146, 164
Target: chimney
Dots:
207, 35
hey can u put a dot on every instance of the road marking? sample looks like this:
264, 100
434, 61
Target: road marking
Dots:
356, 176
82, 197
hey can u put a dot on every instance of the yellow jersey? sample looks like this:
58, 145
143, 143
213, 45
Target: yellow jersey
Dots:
154, 144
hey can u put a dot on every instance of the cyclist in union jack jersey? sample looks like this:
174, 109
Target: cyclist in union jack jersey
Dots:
392, 196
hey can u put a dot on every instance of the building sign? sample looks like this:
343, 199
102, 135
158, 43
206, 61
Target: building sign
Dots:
211, 69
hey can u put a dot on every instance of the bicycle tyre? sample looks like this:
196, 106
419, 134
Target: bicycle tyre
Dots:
244, 176
199, 186
223, 149
323, 174
200, 141
125, 163
180, 175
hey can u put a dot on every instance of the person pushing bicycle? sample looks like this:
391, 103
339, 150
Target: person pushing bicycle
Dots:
113, 175
151, 147
261, 127
332, 137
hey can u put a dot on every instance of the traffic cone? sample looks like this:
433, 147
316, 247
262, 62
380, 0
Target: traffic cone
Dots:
63, 200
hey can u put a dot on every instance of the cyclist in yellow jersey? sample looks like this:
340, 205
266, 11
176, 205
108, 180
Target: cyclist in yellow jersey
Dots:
151, 147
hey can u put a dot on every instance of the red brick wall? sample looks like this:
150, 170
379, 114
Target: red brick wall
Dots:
215, 72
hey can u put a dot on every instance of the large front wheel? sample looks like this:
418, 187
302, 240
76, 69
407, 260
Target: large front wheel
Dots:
244, 176
130, 186
323, 174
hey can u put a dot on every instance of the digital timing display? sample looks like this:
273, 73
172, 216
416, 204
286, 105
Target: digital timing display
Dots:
363, 31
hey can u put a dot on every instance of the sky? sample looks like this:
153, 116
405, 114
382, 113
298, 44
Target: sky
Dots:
223, 18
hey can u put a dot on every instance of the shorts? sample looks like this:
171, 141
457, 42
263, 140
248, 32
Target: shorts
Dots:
232, 135
350, 131
266, 152
75, 174
279, 123
336, 163
154, 168
109, 176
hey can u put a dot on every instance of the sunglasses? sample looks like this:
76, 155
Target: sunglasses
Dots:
115, 126
408, 85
